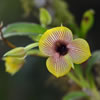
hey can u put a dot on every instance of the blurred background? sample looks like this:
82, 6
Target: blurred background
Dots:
33, 81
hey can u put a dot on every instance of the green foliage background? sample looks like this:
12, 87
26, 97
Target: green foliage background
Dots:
33, 82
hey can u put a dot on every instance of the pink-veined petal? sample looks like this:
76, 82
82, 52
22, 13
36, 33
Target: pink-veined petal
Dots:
59, 66
79, 50
48, 39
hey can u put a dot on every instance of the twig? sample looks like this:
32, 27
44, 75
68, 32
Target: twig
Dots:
5, 40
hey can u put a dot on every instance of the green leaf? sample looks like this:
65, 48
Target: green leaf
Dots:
74, 95
87, 22
23, 29
45, 17
92, 61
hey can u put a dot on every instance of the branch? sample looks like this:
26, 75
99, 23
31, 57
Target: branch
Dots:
5, 40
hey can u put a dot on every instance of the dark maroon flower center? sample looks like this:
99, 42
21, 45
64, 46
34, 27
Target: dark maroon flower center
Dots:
61, 48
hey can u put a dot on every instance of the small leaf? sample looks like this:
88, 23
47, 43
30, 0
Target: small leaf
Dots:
45, 17
74, 95
93, 60
87, 22
23, 29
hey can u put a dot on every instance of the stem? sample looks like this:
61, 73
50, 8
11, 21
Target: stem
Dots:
84, 84
95, 94
35, 52
5, 40
70, 75
80, 81
30, 46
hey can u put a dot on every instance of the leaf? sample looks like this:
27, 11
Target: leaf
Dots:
23, 29
45, 17
92, 61
87, 22
74, 95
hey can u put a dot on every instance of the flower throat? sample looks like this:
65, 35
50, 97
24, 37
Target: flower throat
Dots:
61, 48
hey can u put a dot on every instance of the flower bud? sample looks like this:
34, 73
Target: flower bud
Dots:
17, 52
14, 60
13, 64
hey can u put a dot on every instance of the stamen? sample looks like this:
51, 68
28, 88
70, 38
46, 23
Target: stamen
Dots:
61, 48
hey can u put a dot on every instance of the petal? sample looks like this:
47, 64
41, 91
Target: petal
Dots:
59, 66
48, 39
13, 64
79, 50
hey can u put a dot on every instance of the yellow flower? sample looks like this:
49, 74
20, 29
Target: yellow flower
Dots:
13, 64
14, 59
63, 51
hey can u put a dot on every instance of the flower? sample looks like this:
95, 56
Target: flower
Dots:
63, 51
13, 64
14, 60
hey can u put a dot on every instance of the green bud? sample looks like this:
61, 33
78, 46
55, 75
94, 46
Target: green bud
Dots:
87, 22
16, 52
15, 58
45, 17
